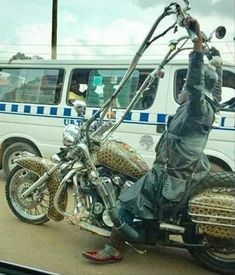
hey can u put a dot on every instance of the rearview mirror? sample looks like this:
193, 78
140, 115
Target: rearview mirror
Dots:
219, 33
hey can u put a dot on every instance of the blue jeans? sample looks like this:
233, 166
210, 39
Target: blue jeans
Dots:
125, 215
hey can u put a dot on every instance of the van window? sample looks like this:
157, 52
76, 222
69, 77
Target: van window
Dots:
102, 84
228, 88
228, 91
95, 86
78, 85
39, 86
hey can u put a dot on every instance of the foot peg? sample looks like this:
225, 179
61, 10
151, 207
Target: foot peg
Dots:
172, 228
139, 251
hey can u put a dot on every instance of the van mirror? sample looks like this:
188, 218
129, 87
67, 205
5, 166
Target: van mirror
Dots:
80, 107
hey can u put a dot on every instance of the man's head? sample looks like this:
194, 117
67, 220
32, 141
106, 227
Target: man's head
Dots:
210, 71
75, 86
210, 79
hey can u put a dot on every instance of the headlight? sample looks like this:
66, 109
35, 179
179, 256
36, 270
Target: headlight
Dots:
70, 134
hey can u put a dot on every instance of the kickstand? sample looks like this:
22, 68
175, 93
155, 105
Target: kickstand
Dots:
141, 252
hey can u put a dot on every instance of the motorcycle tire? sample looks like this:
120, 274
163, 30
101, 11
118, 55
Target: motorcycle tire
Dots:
209, 258
32, 209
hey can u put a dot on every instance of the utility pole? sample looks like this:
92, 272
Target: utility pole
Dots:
54, 30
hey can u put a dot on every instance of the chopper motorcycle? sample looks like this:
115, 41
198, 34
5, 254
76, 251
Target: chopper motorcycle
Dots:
98, 168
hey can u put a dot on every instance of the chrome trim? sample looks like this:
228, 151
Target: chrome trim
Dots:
210, 207
211, 216
212, 223
95, 229
172, 227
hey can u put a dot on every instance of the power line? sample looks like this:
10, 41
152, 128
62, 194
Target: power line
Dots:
107, 55
95, 54
94, 45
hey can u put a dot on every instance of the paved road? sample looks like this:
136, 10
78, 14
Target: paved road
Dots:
57, 247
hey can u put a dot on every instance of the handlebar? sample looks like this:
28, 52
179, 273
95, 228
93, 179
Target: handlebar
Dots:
181, 17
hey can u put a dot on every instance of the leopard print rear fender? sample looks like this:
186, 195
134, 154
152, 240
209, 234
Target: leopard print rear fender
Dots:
39, 166
213, 205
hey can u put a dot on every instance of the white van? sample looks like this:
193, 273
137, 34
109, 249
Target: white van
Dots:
35, 106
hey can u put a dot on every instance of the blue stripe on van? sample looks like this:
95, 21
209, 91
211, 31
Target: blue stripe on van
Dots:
144, 117
14, 108
40, 110
2, 107
161, 118
56, 112
128, 116
67, 112
53, 111
27, 109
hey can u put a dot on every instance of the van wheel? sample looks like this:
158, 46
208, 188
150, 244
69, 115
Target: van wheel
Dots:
12, 152
216, 167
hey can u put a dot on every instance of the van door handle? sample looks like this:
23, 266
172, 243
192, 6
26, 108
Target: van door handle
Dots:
160, 128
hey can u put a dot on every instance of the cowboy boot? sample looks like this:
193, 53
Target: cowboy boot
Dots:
111, 252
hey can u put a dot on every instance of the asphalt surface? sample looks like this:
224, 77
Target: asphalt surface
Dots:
57, 248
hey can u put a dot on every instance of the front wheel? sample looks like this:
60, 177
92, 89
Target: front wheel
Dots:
32, 209
219, 257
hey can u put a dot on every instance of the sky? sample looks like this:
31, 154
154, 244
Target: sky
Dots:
103, 29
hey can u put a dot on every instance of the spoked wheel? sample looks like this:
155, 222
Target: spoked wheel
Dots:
219, 256
32, 209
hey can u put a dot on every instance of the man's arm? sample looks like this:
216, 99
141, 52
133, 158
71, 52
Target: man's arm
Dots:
198, 43
195, 80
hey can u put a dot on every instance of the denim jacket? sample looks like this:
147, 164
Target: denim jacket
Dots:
181, 146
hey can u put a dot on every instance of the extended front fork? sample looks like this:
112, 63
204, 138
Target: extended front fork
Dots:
40, 181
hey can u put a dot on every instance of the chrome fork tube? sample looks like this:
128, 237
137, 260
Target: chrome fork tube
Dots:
77, 197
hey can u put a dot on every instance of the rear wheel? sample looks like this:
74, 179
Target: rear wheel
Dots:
32, 209
220, 257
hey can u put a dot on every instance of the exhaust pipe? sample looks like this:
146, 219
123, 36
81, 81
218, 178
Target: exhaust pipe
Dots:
129, 234
106, 191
